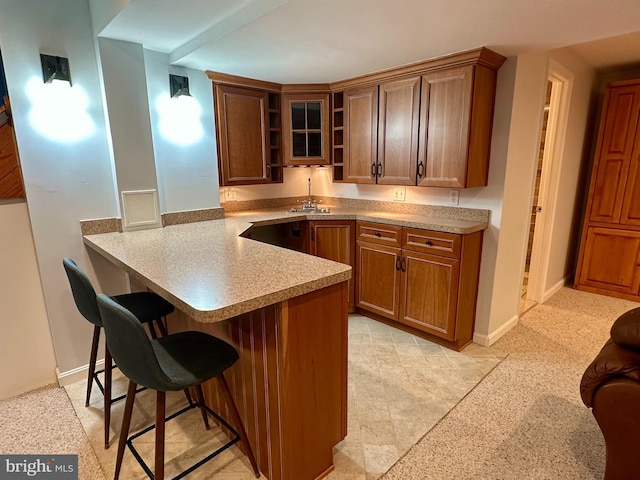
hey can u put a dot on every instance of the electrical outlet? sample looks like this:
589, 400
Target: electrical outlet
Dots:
454, 197
399, 194
230, 195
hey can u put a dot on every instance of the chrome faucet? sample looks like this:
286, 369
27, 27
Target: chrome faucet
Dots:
309, 203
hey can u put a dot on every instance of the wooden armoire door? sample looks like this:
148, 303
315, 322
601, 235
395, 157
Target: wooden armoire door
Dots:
613, 153
398, 116
360, 135
611, 260
631, 202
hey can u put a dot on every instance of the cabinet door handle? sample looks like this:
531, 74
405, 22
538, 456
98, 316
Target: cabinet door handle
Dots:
403, 264
379, 169
378, 234
373, 169
420, 169
313, 234
428, 242
398, 266
268, 171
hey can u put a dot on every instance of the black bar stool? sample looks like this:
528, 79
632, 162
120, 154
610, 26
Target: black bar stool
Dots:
147, 307
174, 362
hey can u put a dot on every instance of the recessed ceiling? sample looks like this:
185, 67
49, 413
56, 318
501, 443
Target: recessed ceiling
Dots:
297, 41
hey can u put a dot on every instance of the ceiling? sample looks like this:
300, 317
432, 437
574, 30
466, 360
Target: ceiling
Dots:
298, 41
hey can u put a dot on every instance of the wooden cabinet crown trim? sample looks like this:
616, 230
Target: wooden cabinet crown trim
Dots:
481, 56
238, 81
306, 88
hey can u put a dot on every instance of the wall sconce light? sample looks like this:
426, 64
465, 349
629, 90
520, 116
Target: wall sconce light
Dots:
178, 85
55, 68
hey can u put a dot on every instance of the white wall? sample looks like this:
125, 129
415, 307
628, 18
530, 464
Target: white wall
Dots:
65, 181
125, 87
26, 352
565, 229
184, 139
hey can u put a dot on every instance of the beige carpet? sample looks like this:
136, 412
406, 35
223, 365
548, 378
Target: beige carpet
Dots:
525, 420
44, 422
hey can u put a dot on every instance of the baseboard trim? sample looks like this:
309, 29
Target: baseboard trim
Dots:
555, 289
493, 337
76, 374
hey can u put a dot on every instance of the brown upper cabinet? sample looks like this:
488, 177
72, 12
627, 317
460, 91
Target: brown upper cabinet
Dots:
380, 133
248, 133
398, 116
305, 126
360, 139
434, 122
426, 124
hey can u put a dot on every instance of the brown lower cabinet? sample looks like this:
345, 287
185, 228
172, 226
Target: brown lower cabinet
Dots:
334, 240
423, 279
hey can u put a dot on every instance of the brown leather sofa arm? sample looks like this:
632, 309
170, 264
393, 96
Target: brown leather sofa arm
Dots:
616, 409
613, 362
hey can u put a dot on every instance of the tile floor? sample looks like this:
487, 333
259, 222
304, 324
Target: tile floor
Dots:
399, 387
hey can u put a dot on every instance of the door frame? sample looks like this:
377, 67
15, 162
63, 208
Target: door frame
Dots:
562, 86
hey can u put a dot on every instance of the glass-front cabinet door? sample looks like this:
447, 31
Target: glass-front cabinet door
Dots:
306, 128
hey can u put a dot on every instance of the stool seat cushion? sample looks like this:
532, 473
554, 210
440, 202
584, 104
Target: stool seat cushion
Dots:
146, 306
191, 358
170, 363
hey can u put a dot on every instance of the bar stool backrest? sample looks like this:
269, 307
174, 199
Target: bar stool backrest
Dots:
83, 292
130, 346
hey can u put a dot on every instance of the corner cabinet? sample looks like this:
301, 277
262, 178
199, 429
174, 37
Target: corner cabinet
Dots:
426, 124
423, 279
248, 135
305, 121
609, 258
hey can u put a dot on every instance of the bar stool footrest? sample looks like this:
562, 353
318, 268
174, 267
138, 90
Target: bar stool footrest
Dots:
196, 465
101, 387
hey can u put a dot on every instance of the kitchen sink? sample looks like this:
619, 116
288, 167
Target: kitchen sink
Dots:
310, 210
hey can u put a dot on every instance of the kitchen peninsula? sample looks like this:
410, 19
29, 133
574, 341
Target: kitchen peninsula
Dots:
285, 312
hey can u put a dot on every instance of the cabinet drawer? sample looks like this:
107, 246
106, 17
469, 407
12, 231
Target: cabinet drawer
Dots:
429, 241
379, 233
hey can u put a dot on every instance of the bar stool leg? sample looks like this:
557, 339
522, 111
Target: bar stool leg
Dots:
162, 326
92, 362
200, 396
108, 367
237, 421
159, 456
124, 430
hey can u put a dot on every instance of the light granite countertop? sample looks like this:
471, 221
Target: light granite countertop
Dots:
430, 222
209, 271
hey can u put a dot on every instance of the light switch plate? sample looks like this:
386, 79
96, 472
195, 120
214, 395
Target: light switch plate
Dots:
454, 197
399, 194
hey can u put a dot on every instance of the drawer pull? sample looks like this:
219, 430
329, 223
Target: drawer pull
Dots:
428, 242
378, 234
